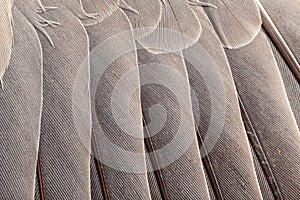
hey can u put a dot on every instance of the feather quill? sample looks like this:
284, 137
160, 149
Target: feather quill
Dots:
254, 69
178, 29
286, 18
6, 36
285, 45
236, 22
230, 159
20, 108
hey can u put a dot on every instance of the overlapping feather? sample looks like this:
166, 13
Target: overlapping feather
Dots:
64, 147
230, 159
118, 183
147, 17
254, 69
237, 22
178, 29
184, 185
20, 108
6, 36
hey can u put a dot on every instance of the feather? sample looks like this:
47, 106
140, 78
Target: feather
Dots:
66, 122
178, 29
178, 182
231, 168
118, 182
260, 154
20, 108
31, 10
285, 45
281, 20
291, 83
104, 9
148, 17
236, 22
6, 36
254, 69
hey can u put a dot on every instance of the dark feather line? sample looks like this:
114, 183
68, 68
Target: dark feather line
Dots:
153, 161
279, 42
39, 173
255, 143
209, 168
99, 167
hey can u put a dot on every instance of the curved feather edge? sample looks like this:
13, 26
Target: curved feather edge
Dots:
113, 180
174, 179
6, 36
33, 10
179, 28
64, 148
101, 9
236, 169
280, 21
22, 102
236, 23
269, 111
148, 17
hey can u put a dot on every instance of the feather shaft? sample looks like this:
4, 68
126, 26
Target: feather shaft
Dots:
279, 42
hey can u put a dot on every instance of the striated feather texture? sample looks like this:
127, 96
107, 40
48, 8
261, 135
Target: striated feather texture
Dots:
32, 10
20, 112
286, 17
6, 36
231, 170
118, 182
160, 101
66, 122
178, 29
291, 83
254, 69
147, 17
236, 22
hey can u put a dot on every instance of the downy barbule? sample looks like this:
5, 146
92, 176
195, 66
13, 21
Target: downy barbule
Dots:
160, 99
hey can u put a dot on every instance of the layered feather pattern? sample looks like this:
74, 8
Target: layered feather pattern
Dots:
154, 100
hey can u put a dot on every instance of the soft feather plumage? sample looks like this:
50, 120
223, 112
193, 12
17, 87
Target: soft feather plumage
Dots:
20, 108
118, 183
254, 69
228, 163
31, 10
148, 16
6, 35
178, 29
184, 185
63, 152
236, 22
231, 169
